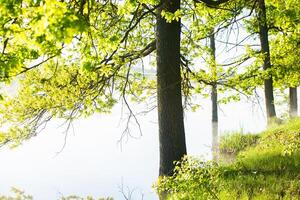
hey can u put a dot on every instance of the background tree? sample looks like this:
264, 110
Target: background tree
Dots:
214, 98
200, 44
284, 42
265, 50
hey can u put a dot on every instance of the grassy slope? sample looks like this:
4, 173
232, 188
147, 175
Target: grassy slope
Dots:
268, 168
271, 168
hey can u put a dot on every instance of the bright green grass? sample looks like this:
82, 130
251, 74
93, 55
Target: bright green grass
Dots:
234, 142
266, 170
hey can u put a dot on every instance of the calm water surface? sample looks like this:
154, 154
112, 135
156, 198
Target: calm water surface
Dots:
93, 162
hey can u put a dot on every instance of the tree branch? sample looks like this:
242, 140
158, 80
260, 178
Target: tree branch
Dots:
211, 2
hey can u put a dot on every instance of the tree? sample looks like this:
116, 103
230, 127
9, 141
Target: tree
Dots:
265, 50
293, 110
210, 21
214, 99
275, 24
83, 56
87, 50
284, 44
170, 112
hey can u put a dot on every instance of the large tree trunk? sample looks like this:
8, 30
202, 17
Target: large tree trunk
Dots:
214, 99
268, 82
172, 144
293, 102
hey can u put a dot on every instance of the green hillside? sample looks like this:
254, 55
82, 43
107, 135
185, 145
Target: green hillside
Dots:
266, 167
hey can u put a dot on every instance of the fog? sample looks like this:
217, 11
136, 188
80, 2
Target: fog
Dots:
94, 161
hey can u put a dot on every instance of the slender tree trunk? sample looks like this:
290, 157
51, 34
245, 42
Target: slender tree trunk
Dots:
214, 99
172, 144
293, 102
268, 82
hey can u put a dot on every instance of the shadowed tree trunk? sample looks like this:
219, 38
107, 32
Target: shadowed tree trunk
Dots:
214, 99
293, 102
172, 144
268, 82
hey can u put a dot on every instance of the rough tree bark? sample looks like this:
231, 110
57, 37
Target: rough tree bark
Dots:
293, 102
268, 82
214, 99
172, 144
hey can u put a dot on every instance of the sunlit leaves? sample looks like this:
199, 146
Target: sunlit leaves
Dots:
85, 55
171, 16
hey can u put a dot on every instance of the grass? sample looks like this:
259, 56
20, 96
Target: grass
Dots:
235, 142
267, 167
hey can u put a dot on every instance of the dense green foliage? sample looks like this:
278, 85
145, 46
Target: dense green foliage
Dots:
74, 58
70, 59
84, 56
268, 170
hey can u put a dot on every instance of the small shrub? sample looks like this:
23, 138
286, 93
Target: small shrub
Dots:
192, 179
21, 195
17, 195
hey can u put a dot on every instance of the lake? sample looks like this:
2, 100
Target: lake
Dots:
94, 163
